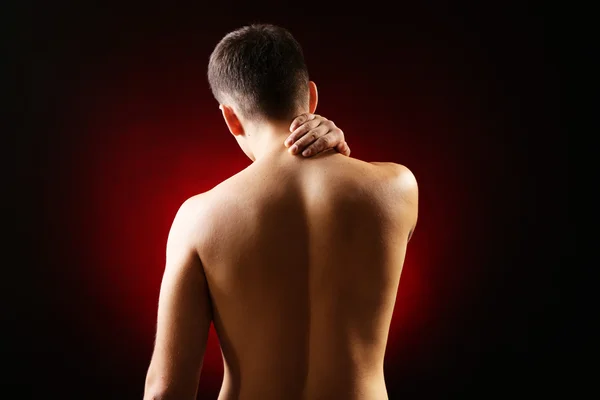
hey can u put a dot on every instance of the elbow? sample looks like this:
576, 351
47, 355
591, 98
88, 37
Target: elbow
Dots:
154, 389
163, 394
162, 391
161, 386
158, 393
157, 396
155, 393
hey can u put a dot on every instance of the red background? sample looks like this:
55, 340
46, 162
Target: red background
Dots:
122, 128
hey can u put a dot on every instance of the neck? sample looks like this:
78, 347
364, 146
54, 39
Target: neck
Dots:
267, 138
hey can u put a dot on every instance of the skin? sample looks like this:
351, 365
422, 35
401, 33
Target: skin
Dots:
296, 260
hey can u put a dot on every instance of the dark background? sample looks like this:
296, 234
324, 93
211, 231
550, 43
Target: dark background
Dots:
119, 127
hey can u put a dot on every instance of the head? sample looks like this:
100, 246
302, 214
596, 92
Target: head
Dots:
258, 75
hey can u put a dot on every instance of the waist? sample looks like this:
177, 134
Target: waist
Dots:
299, 385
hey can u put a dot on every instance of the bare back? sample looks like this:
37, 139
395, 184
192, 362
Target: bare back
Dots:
303, 258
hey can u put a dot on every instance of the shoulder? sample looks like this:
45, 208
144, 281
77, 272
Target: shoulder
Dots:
193, 223
202, 212
187, 217
400, 187
400, 175
200, 204
402, 192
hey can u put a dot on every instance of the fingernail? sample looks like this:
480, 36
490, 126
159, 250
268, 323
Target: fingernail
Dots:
288, 142
306, 153
294, 149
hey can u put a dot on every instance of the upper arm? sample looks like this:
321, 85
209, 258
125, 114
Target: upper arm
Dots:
408, 190
184, 313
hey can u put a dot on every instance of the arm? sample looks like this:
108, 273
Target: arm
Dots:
313, 134
409, 191
406, 185
184, 316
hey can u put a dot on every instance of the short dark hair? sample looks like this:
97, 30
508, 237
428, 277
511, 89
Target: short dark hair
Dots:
261, 68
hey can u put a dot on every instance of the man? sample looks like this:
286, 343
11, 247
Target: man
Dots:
295, 260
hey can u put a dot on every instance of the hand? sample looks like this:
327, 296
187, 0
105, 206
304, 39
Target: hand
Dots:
313, 134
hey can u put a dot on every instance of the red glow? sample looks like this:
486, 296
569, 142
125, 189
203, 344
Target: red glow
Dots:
140, 160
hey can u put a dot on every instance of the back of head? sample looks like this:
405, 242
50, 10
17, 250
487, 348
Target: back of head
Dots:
261, 70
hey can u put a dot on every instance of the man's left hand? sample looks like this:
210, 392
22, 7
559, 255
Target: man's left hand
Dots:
313, 134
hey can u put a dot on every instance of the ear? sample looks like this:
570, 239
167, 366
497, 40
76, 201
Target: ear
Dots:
232, 121
313, 97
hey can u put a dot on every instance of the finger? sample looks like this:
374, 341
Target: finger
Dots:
343, 148
299, 122
300, 119
322, 143
312, 140
308, 138
301, 131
